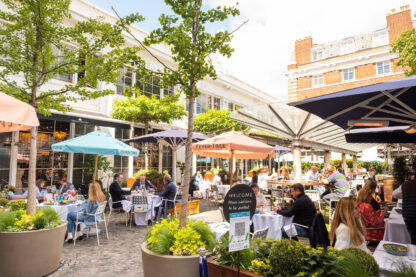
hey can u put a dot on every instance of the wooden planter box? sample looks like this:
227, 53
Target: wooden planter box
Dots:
218, 270
193, 208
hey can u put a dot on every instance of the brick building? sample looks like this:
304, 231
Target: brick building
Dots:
351, 62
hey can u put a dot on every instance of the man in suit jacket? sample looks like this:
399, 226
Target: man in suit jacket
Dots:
142, 183
117, 194
168, 194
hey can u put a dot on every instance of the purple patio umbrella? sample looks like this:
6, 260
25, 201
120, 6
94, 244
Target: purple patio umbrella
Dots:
172, 138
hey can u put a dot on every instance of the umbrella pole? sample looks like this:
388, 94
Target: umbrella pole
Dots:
95, 168
231, 168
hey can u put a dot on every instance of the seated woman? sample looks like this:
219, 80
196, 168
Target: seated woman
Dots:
371, 217
40, 184
95, 198
346, 228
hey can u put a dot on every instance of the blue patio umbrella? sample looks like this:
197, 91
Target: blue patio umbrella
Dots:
173, 138
98, 143
393, 102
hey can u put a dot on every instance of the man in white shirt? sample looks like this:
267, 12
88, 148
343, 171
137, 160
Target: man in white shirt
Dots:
312, 175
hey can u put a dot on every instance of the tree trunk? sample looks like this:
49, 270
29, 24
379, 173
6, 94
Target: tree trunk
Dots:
188, 161
146, 147
31, 196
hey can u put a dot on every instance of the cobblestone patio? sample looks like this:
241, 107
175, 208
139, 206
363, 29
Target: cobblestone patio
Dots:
118, 256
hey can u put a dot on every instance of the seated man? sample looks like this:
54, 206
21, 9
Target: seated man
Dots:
142, 184
260, 199
337, 182
303, 210
117, 193
168, 195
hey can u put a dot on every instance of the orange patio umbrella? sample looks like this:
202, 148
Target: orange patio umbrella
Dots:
232, 145
16, 115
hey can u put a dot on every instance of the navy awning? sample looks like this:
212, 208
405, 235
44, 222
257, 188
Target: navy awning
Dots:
394, 101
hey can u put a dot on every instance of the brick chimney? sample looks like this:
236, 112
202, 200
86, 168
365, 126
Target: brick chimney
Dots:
398, 22
303, 50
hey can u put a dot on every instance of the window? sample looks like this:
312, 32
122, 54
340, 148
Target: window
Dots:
380, 39
318, 80
383, 67
231, 106
125, 80
347, 47
217, 103
317, 55
201, 103
348, 74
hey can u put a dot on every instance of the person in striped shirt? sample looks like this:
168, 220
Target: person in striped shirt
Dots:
338, 184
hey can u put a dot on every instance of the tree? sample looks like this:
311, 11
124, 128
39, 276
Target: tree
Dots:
216, 122
405, 47
35, 46
191, 45
143, 109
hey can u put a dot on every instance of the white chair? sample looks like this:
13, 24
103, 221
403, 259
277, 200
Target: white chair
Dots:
314, 196
260, 234
100, 211
110, 206
138, 200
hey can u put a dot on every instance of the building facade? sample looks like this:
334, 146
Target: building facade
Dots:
226, 92
361, 60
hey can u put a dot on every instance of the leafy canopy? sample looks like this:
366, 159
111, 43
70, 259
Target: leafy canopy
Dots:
190, 43
216, 122
143, 109
37, 46
405, 47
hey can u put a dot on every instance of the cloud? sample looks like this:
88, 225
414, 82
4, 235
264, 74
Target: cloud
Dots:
264, 45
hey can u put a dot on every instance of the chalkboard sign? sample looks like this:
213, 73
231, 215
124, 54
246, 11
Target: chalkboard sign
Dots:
240, 198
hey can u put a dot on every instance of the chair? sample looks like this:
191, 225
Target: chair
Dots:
100, 211
110, 206
165, 207
214, 189
260, 234
138, 200
222, 214
369, 228
279, 196
314, 196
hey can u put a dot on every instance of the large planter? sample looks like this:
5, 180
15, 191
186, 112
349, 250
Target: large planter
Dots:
219, 270
31, 253
155, 265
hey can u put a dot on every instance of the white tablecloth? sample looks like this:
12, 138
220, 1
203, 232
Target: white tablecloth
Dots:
396, 230
274, 221
219, 228
64, 210
386, 261
141, 218
203, 187
223, 189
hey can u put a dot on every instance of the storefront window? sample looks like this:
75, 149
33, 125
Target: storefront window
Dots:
167, 159
153, 152
80, 175
121, 163
5, 149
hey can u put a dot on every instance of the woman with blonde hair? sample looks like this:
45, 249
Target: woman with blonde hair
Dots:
95, 198
346, 227
371, 217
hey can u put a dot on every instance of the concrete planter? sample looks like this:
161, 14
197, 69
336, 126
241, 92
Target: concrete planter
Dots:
155, 265
31, 253
219, 270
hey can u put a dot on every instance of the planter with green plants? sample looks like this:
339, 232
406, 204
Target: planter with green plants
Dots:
170, 251
37, 240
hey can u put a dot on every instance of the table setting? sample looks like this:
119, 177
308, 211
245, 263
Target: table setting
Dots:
390, 254
395, 228
269, 218
142, 212
61, 205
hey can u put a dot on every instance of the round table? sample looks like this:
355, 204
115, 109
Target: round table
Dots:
64, 210
396, 230
274, 221
141, 218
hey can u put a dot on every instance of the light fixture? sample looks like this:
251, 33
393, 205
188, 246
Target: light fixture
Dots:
368, 123
411, 129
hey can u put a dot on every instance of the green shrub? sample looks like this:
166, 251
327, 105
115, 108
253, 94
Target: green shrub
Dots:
357, 262
320, 261
3, 202
18, 221
7, 219
286, 257
17, 205
402, 270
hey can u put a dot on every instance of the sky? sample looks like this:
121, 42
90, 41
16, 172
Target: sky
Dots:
263, 46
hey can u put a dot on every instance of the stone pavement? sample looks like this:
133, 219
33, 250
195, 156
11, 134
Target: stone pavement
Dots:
118, 256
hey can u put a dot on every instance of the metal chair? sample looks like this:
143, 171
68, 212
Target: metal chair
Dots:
100, 211
279, 196
138, 200
110, 206
260, 234
222, 214
165, 207
314, 196
214, 190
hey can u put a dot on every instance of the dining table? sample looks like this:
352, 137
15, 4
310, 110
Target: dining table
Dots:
388, 262
64, 210
142, 218
274, 221
395, 228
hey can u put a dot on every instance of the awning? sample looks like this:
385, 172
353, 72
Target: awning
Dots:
381, 135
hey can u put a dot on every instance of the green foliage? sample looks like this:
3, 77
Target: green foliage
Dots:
103, 166
405, 47
151, 174
400, 170
307, 165
363, 260
32, 36
320, 261
221, 171
402, 270
143, 109
216, 122
3, 202
166, 238
18, 221
286, 256
17, 205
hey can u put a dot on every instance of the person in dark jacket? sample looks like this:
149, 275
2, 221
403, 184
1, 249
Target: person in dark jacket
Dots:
168, 194
407, 192
117, 194
255, 178
303, 210
142, 183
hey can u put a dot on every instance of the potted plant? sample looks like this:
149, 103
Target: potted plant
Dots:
170, 251
37, 240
